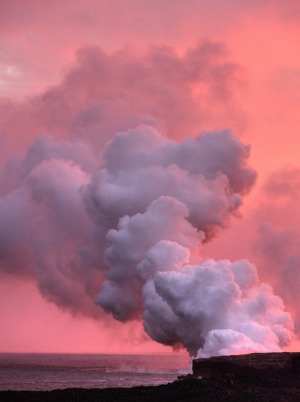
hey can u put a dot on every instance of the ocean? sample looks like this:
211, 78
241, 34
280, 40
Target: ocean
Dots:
42, 372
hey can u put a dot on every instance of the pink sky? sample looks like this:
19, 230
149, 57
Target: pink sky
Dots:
46, 87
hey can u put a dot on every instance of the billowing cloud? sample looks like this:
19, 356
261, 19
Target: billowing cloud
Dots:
207, 308
131, 226
105, 93
108, 192
148, 255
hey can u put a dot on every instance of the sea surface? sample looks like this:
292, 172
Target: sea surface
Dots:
42, 372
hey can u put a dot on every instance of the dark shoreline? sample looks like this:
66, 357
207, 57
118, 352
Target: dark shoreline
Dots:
213, 390
257, 377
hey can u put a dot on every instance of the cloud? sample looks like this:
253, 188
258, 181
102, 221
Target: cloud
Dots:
202, 306
116, 190
104, 93
278, 241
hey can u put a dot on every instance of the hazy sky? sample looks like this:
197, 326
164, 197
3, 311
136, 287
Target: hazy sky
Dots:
181, 66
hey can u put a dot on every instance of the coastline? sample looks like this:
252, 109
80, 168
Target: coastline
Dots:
213, 389
259, 377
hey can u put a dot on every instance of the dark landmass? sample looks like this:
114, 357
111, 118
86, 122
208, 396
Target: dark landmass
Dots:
255, 377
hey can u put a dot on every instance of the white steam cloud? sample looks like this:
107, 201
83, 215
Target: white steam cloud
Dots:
125, 230
123, 225
173, 196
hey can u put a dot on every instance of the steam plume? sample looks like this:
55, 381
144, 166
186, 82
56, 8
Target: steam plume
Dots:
175, 196
123, 224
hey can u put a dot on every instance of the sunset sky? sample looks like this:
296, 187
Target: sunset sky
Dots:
83, 71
